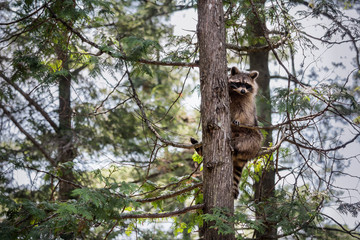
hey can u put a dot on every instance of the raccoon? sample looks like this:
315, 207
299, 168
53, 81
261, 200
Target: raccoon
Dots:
245, 142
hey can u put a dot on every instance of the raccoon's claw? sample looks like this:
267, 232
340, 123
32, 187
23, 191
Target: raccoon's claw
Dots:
237, 123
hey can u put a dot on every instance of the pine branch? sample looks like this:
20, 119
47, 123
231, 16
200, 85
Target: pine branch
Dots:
171, 184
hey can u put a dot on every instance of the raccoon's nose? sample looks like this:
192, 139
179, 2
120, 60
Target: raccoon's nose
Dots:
242, 91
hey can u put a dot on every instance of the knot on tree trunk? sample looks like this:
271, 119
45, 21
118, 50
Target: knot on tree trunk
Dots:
212, 126
211, 165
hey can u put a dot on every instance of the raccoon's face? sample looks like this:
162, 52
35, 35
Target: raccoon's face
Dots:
243, 83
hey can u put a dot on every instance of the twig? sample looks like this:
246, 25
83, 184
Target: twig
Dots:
184, 190
161, 215
54, 176
256, 48
148, 123
107, 97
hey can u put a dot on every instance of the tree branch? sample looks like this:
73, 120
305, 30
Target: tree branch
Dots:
287, 79
273, 148
331, 229
341, 26
54, 176
23, 18
31, 101
256, 49
36, 144
148, 123
170, 195
119, 55
350, 232
324, 150
161, 215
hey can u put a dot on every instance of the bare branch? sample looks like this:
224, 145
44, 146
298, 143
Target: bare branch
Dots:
287, 79
148, 123
341, 26
256, 49
324, 150
23, 18
36, 144
350, 232
54, 176
31, 101
107, 97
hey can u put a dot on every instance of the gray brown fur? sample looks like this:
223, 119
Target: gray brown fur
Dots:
245, 142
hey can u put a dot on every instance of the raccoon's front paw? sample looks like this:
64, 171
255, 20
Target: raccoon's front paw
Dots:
236, 122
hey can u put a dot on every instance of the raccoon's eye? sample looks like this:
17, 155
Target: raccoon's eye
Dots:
248, 86
235, 85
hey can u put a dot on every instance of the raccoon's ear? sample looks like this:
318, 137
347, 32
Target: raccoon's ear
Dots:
254, 75
234, 71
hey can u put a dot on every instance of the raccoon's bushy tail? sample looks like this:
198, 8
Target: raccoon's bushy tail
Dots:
239, 165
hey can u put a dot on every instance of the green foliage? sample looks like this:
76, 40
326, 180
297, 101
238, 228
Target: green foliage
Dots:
221, 220
136, 47
75, 217
292, 102
197, 158
298, 211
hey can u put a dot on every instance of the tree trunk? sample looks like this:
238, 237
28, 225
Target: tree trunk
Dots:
264, 189
218, 180
66, 151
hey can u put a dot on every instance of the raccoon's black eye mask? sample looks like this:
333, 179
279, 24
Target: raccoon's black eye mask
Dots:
235, 85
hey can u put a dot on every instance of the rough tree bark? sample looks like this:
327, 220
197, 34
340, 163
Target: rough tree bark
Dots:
264, 189
214, 112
